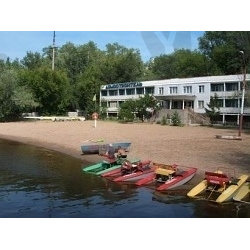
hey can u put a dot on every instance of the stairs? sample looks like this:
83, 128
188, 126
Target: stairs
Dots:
196, 118
188, 116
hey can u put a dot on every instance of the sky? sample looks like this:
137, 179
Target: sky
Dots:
16, 44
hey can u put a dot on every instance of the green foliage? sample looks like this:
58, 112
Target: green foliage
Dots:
181, 63
127, 111
120, 64
146, 107
81, 70
176, 119
50, 89
8, 83
24, 99
213, 110
164, 120
222, 50
103, 113
32, 61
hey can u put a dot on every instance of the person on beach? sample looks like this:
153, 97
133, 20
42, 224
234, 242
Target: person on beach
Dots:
111, 152
126, 167
121, 153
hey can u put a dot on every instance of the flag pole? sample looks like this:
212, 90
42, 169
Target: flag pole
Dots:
95, 115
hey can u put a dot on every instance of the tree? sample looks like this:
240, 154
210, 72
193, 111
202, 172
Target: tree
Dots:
8, 83
182, 63
50, 89
120, 64
127, 111
222, 49
32, 60
176, 119
144, 108
24, 99
213, 110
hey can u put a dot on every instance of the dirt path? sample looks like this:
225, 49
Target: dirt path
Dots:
189, 145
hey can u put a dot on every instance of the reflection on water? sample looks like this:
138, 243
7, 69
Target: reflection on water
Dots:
39, 183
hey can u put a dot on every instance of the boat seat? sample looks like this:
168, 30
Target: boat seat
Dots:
110, 161
163, 171
180, 172
216, 174
234, 181
122, 156
216, 178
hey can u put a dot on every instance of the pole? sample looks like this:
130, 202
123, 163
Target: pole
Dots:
53, 52
243, 94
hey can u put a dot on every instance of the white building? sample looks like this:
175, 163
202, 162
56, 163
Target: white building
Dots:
180, 93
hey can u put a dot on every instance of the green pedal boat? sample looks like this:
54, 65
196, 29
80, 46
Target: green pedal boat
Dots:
106, 165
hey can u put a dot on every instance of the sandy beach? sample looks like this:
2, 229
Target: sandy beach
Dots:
189, 146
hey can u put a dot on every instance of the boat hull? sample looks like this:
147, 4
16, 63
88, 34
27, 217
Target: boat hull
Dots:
99, 167
146, 168
220, 186
242, 192
200, 187
102, 147
228, 194
105, 166
146, 180
178, 180
151, 178
116, 168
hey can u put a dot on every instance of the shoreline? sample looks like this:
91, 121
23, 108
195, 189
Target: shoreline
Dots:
89, 159
188, 146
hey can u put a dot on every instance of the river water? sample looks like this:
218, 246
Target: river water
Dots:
39, 183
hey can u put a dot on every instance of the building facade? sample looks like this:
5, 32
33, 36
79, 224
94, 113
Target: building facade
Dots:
180, 93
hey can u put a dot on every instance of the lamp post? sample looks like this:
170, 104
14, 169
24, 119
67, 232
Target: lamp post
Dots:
53, 51
243, 93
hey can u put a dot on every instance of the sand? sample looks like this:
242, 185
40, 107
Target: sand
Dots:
189, 146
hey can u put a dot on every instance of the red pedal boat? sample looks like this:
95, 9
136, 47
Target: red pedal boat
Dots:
168, 176
131, 172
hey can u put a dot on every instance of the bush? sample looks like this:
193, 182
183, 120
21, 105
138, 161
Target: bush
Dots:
176, 119
164, 120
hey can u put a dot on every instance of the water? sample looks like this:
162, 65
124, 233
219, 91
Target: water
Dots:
39, 183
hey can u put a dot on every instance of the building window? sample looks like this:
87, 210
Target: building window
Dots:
120, 103
187, 89
201, 104
121, 91
201, 88
149, 90
104, 93
139, 91
232, 86
173, 90
130, 91
161, 91
217, 87
231, 103
112, 92
220, 103
113, 104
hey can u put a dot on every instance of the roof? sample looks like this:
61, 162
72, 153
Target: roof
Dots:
203, 79
193, 80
